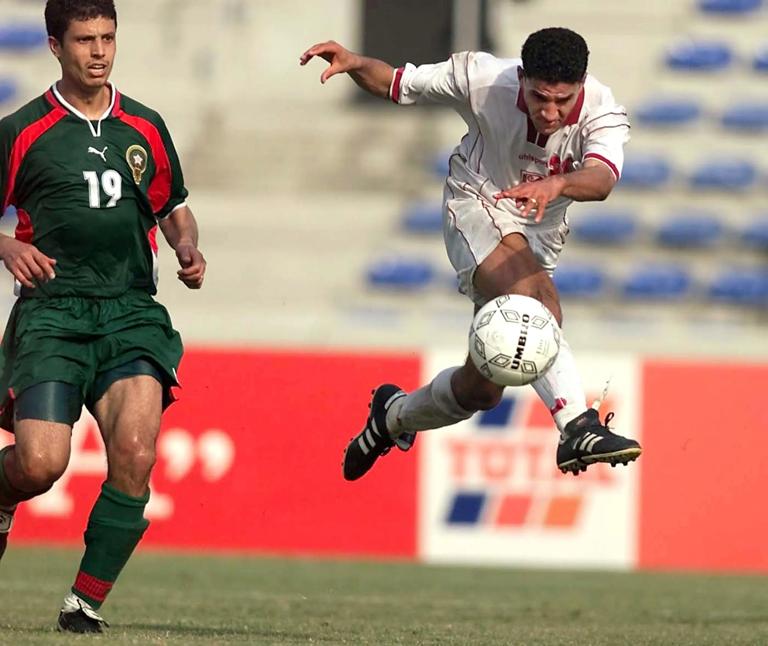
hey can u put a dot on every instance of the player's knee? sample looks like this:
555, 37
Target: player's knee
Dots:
39, 470
544, 292
133, 457
482, 396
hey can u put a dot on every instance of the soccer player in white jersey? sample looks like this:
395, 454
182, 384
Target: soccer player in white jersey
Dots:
541, 134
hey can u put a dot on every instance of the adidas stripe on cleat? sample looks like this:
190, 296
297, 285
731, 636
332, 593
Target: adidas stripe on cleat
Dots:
374, 440
586, 441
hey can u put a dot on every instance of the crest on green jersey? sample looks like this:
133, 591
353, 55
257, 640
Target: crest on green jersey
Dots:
137, 159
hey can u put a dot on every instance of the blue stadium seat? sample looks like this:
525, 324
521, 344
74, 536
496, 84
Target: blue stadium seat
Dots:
741, 286
580, 280
724, 174
440, 163
755, 234
746, 116
400, 273
730, 6
760, 61
657, 282
645, 171
690, 229
22, 37
423, 218
9, 88
667, 112
604, 227
704, 55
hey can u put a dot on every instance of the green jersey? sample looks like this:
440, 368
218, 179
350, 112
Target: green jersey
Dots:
90, 193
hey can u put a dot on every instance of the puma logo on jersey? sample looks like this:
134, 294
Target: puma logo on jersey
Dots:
100, 153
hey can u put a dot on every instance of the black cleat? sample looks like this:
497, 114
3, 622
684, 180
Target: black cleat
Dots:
374, 440
586, 441
76, 616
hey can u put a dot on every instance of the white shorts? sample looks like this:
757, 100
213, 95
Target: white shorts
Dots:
473, 228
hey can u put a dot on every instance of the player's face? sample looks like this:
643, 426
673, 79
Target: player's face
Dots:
549, 104
86, 53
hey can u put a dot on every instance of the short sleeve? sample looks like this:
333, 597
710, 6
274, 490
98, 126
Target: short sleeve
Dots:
445, 82
178, 192
605, 134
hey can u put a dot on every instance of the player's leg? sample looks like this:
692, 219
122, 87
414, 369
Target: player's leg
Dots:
128, 413
456, 393
513, 268
43, 419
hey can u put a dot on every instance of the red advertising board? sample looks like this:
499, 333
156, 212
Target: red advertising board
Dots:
703, 467
250, 459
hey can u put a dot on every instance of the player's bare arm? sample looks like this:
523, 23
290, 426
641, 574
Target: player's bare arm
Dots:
371, 74
27, 263
180, 230
594, 181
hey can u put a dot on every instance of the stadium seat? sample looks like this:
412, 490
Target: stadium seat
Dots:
423, 218
9, 88
657, 282
755, 234
690, 229
760, 61
440, 163
746, 116
741, 286
604, 227
667, 112
579, 280
705, 55
400, 273
724, 174
21, 37
645, 172
729, 6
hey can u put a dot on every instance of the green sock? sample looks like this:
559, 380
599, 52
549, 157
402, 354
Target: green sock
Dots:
115, 527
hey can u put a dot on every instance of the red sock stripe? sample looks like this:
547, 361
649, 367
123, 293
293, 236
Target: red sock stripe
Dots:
92, 587
559, 405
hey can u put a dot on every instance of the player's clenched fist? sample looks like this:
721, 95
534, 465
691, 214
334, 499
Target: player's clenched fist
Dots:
27, 263
192, 272
341, 59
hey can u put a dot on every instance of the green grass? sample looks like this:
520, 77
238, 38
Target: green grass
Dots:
172, 599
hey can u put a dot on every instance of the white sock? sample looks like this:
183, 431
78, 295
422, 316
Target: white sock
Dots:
431, 406
560, 388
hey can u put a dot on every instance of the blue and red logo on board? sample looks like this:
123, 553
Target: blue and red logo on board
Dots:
503, 473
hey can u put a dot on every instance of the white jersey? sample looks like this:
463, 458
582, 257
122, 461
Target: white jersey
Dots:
502, 148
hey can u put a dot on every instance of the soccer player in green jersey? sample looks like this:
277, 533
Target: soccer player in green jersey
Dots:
92, 174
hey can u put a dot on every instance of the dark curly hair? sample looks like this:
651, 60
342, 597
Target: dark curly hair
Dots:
59, 13
555, 55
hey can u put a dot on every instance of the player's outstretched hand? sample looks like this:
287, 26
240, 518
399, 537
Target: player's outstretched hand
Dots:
533, 197
192, 272
341, 59
27, 263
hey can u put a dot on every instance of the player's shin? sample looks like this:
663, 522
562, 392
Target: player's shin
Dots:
431, 406
561, 389
115, 527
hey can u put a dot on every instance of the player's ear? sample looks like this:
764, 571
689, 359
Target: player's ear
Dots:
55, 46
520, 73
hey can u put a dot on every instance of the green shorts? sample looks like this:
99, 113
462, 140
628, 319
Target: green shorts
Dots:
75, 340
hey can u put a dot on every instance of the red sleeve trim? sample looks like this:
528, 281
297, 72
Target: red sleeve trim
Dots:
21, 146
607, 162
394, 90
160, 187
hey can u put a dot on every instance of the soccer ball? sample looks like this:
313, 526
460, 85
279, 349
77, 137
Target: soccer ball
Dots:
514, 340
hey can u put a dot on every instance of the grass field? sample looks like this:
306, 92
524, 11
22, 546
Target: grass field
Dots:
172, 599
